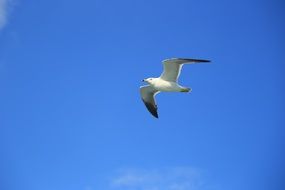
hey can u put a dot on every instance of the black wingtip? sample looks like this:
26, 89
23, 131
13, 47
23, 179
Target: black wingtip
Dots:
151, 108
199, 60
156, 116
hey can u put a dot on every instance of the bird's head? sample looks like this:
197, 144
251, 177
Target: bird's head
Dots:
148, 80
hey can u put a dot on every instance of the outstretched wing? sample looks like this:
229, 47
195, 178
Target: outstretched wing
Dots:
147, 94
172, 67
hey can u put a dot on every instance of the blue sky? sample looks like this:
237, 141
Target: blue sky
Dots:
71, 117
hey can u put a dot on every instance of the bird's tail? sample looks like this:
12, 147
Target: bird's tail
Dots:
185, 89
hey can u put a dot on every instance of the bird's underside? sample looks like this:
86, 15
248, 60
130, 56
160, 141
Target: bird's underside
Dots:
166, 82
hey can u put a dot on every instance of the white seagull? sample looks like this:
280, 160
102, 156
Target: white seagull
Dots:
167, 82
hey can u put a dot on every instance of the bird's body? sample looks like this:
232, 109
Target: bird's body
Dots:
167, 82
162, 85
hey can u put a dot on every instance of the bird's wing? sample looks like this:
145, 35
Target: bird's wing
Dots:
147, 94
172, 67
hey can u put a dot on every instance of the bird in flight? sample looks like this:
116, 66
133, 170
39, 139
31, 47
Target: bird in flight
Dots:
167, 82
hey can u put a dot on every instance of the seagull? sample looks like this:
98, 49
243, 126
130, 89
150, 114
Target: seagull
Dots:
167, 82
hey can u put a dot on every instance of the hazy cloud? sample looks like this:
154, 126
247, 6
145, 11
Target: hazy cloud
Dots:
181, 178
3, 12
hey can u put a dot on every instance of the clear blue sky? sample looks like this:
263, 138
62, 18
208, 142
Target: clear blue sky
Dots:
71, 117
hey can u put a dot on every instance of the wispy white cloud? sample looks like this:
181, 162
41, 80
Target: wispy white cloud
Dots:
4, 4
178, 178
